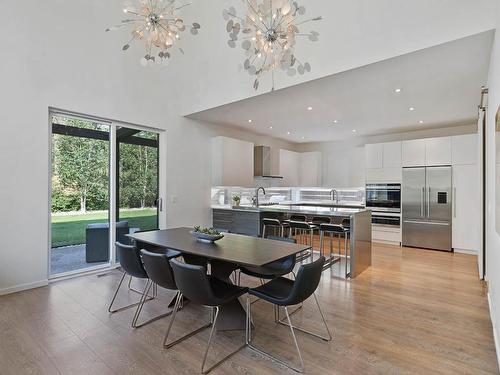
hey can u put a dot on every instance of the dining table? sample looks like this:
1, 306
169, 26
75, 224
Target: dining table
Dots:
224, 256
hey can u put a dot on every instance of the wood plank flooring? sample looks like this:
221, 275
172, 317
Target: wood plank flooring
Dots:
413, 312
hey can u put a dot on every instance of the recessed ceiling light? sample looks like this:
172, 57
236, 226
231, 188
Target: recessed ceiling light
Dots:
335, 121
411, 109
309, 108
249, 121
288, 133
303, 137
397, 91
270, 127
354, 130
421, 122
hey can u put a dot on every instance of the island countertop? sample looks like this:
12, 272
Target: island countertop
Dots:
306, 210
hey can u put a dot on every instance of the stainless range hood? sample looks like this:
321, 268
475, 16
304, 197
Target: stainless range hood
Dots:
262, 162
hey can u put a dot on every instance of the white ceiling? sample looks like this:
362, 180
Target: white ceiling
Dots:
442, 83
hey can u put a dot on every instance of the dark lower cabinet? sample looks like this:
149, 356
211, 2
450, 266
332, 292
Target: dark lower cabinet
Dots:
239, 222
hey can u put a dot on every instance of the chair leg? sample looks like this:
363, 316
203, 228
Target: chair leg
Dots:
110, 307
327, 338
212, 331
176, 308
311, 237
139, 308
269, 355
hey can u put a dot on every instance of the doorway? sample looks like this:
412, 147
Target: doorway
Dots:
104, 185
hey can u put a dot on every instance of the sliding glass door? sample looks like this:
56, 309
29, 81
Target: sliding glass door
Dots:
80, 194
104, 181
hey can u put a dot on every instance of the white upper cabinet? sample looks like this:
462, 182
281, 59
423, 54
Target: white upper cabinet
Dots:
232, 162
392, 155
413, 153
374, 155
438, 151
464, 149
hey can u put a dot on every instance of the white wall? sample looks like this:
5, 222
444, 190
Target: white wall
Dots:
344, 161
493, 238
353, 33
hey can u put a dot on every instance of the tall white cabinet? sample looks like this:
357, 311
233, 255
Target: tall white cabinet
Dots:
466, 222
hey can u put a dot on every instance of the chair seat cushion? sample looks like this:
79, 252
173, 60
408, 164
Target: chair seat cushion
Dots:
271, 270
225, 292
275, 291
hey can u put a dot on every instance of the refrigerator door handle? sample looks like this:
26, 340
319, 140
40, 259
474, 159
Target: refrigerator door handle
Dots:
428, 202
422, 199
442, 223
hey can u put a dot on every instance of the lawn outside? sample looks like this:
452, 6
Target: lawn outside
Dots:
69, 229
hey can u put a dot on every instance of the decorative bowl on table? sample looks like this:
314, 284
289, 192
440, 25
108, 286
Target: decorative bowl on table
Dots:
207, 235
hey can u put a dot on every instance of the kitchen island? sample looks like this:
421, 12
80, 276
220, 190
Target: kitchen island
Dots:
247, 220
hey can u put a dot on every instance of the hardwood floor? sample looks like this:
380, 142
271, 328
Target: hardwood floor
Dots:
413, 312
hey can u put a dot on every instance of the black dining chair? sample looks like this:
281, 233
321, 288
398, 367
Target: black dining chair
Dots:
160, 273
275, 269
202, 289
131, 265
283, 292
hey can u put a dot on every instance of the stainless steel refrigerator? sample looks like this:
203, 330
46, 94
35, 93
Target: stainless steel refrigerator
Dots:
426, 207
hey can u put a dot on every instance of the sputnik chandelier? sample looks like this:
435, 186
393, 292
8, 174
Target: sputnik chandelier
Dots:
158, 25
270, 29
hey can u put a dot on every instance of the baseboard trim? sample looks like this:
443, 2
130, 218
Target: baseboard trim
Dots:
495, 336
465, 251
21, 287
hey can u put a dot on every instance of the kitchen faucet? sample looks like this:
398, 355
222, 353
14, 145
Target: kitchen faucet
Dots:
256, 198
334, 194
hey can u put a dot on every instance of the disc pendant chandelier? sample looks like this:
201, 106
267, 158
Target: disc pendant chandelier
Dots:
268, 32
157, 23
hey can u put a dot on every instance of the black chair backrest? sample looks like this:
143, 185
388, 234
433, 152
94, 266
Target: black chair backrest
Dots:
306, 282
282, 239
193, 282
346, 223
158, 269
130, 260
332, 228
321, 219
271, 222
300, 225
296, 217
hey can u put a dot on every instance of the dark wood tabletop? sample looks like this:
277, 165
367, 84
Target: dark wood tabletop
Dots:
233, 248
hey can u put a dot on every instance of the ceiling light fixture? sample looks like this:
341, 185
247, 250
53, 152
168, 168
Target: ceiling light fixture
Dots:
288, 133
249, 121
303, 137
270, 30
354, 130
309, 108
421, 122
335, 121
397, 91
158, 25
271, 127
412, 109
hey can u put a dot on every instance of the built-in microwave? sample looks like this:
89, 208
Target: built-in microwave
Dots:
383, 197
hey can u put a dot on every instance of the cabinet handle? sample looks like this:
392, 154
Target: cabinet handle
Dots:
455, 202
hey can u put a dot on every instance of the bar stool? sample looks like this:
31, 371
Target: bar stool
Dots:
339, 231
273, 224
317, 220
305, 230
